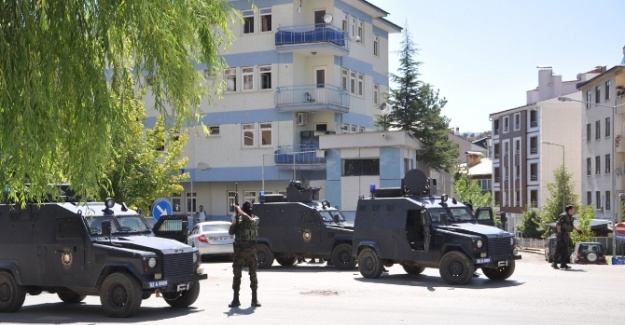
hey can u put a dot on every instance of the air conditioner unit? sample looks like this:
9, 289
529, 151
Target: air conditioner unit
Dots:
302, 118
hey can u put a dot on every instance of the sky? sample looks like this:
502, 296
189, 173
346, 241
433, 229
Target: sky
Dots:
483, 54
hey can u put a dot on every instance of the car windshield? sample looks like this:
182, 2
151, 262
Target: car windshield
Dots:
326, 216
455, 214
215, 228
122, 224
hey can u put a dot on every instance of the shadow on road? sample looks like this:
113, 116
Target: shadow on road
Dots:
434, 282
62, 313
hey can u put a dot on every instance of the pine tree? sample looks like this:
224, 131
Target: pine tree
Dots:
417, 109
64, 78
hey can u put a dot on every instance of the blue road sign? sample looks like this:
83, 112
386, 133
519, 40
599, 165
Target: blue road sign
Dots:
160, 208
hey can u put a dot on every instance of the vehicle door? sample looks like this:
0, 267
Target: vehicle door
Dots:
306, 238
66, 259
485, 216
172, 227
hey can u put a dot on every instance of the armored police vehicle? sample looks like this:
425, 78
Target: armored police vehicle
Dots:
411, 226
300, 225
92, 248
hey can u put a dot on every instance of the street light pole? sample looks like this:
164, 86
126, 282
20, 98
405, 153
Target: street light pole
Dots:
616, 206
563, 171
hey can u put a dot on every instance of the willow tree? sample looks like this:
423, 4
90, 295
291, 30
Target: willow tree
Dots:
64, 94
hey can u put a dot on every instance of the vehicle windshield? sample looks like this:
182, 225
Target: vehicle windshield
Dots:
215, 228
332, 216
455, 214
119, 224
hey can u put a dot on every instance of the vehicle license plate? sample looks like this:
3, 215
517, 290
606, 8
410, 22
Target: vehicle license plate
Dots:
157, 284
483, 260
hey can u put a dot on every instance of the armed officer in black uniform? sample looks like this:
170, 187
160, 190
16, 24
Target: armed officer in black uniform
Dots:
244, 227
564, 226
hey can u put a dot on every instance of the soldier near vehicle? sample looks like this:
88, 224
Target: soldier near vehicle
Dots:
564, 226
245, 229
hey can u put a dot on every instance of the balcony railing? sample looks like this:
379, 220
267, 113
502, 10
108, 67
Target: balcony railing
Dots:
299, 156
308, 34
312, 97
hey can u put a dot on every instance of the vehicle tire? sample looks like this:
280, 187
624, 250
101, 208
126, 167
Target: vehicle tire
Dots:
264, 255
70, 297
120, 295
286, 260
342, 257
413, 269
499, 273
369, 264
591, 257
12, 295
185, 298
456, 268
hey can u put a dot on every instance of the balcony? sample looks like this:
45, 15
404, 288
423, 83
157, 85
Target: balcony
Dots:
310, 40
302, 157
312, 98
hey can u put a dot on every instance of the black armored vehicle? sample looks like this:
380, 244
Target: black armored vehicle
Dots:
410, 226
92, 248
301, 225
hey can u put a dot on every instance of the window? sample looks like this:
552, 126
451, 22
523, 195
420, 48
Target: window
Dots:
607, 90
248, 135
265, 134
496, 126
517, 121
588, 99
361, 84
353, 27
176, 202
231, 197
376, 45
533, 145
345, 23
376, 94
534, 198
608, 163
265, 77
597, 165
598, 200
361, 34
344, 78
265, 19
213, 129
248, 21
496, 175
588, 132
484, 184
597, 130
191, 201
533, 172
352, 82
505, 124
588, 198
249, 196
597, 94
496, 150
361, 167
231, 79
608, 127
588, 167
607, 200
248, 78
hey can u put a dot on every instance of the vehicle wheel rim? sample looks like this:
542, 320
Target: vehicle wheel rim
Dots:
369, 264
119, 296
344, 257
5, 292
455, 268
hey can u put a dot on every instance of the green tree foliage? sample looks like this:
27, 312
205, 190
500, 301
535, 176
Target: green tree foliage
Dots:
561, 193
530, 225
70, 69
470, 191
417, 109
583, 231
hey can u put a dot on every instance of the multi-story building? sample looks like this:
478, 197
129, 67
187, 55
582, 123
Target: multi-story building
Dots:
530, 142
298, 69
603, 141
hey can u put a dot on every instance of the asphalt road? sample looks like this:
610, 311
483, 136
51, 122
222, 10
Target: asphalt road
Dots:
316, 294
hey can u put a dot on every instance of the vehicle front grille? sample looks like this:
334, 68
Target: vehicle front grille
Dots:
499, 246
178, 264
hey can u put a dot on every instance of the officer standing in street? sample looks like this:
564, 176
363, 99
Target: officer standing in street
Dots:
245, 229
564, 226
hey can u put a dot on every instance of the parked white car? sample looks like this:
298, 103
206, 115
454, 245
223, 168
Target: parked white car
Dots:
212, 238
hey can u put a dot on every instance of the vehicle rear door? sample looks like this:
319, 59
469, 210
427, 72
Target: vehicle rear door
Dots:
485, 216
66, 259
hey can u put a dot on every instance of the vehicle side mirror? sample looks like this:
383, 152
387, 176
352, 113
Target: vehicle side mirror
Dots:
106, 228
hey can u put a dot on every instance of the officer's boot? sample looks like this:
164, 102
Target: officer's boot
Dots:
255, 302
554, 265
235, 300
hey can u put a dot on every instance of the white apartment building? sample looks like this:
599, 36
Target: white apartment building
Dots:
298, 69
530, 142
603, 141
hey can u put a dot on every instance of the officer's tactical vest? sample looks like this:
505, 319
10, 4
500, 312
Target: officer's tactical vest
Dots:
246, 231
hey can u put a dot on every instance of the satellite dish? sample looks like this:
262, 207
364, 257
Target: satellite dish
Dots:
386, 108
327, 18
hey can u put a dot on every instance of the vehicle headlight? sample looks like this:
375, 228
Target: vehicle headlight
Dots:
195, 257
479, 243
515, 251
152, 262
